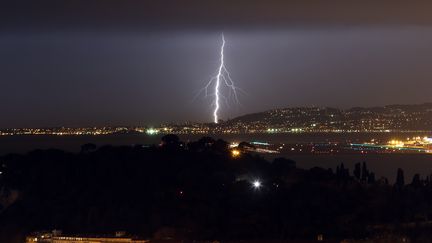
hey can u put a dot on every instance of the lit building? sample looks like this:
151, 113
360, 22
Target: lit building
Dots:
57, 237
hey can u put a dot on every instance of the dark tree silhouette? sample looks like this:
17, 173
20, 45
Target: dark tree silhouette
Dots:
400, 180
88, 147
283, 165
416, 182
220, 146
171, 142
364, 173
357, 171
200, 192
371, 178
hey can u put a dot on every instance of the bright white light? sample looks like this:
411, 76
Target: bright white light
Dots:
256, 184
234, 145
152, 131
222, 78
218, 77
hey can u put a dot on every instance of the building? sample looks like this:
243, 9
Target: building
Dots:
57, 237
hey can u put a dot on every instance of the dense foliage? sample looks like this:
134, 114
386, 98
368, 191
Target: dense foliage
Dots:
199, 191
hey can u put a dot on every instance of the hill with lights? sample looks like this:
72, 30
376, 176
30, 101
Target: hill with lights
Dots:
383, 118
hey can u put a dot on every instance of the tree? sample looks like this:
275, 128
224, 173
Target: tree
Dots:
400, 181
371, 178
88, 147
206, 141
416, 182
365, 173
171, 141
220, 146
281, 166
357, 171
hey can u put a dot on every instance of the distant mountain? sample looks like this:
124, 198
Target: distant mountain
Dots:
391, 117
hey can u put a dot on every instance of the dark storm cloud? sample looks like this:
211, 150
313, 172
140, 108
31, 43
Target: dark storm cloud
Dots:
79, 63
208, 14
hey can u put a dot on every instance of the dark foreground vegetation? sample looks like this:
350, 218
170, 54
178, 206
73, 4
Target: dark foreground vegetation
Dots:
202, 191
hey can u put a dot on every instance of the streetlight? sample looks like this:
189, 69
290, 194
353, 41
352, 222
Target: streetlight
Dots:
235, 153
256, 184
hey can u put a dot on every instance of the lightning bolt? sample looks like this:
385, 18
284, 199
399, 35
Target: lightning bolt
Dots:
222, 78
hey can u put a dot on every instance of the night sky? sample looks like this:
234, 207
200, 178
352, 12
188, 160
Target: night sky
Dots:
85, 63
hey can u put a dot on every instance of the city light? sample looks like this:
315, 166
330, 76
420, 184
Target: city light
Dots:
256, 184
152, 131
233, 144
260, 143
235, 153
396, 143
